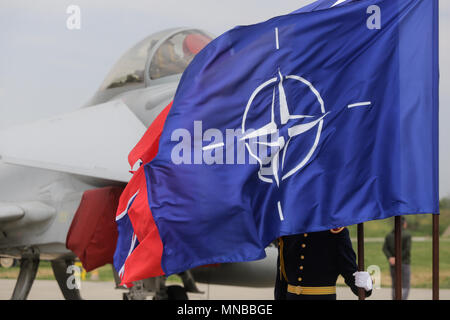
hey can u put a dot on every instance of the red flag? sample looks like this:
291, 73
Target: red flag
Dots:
144, 261
147, 147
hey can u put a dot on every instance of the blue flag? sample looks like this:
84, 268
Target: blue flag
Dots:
303, 123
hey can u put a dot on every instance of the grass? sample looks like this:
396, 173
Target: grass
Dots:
421, 263
419, 225
421, 251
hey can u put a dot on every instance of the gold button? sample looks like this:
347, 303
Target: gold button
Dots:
301, 267
303, 245
302, 257
299, 279
305, 235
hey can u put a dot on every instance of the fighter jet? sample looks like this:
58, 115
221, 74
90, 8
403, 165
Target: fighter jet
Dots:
48, 166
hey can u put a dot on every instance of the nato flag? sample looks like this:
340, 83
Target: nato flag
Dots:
305, 122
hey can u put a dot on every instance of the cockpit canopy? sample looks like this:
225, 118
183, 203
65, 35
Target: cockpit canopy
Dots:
158, 56
175, 54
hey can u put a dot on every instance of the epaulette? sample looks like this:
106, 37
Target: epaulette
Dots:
336, 230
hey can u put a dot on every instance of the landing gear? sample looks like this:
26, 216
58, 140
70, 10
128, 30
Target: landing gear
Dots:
64, 274
176, 292
62, 269
189, 282
157, 288
7, 262
136, 292
28, 268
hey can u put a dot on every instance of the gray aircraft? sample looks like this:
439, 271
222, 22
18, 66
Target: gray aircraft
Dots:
46, 167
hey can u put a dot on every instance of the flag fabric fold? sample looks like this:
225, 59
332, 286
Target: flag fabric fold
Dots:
139, 247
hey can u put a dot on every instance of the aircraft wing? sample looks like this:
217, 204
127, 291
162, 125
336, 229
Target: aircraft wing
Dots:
93, 141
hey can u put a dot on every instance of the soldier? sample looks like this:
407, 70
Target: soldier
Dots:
310, 263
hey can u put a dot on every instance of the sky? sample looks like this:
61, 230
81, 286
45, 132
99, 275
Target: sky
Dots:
47, 69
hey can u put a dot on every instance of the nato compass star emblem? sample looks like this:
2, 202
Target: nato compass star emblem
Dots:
275, 131
295, 124
285, 127
281, 132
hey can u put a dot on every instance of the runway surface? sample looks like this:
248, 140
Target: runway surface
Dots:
90, 290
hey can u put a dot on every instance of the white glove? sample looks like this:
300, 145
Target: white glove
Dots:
363, 280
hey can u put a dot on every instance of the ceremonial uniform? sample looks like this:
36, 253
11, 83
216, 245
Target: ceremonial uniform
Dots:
310, 263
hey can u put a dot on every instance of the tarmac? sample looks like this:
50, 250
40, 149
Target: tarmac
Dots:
97, 290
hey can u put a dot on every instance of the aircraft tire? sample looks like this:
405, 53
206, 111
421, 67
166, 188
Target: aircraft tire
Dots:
176, 292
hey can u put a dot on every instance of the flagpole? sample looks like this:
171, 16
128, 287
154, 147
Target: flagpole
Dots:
435, 256
360, 236
398, 258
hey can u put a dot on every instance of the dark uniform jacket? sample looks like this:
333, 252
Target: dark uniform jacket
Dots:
310, 264
389, 246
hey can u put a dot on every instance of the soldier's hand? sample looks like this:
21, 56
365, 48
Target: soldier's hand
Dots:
363, 280
392, 261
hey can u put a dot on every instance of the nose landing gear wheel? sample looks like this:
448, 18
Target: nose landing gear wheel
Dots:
176, 293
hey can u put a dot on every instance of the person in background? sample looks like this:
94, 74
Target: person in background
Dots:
389, 251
